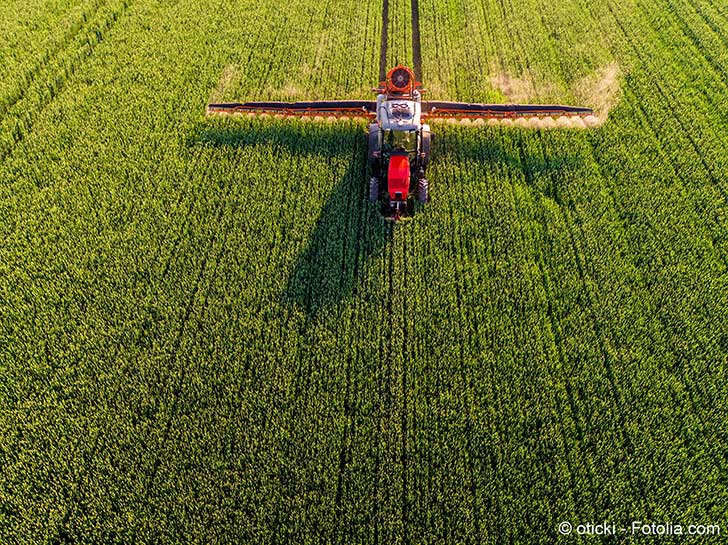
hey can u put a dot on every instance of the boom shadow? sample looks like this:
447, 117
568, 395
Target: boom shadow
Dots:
349, 231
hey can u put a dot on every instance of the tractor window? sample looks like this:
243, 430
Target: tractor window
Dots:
401, 140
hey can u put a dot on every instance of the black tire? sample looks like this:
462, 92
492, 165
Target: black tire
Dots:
373, 189
375, 149
423, 190
425, 143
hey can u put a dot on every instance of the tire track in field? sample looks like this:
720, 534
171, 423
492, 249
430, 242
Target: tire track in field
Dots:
58, 81
667, 100
684, 24
174, 356
177, 385
601, 336
383, 42
351, 237
304, 371
659, 135
49, 56
558, 343
364, 73
665, 328
599, 330
61, 532
416, 40
710, 21
515, 42
177, 388
77, 486
647, 122
572, 395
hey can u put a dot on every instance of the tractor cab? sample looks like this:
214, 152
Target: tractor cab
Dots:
400, 141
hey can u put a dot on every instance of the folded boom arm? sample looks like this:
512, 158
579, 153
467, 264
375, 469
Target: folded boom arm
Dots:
317, 108
464, 110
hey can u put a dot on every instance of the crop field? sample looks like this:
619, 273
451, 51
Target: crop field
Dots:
209, 335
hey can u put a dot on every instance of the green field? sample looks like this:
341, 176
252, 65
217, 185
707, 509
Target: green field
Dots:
208, 335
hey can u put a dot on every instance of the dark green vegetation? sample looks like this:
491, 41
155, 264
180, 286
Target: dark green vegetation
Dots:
207, 334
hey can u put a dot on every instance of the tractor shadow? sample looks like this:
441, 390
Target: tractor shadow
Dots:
349, 231
348, 234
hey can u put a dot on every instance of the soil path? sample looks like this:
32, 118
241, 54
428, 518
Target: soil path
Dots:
416, 44
383, 43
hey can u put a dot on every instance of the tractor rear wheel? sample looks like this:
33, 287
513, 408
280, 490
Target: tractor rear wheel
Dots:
423, 190
375, 149
374, 189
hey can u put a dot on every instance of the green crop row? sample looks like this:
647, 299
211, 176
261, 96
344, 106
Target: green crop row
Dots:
626, 239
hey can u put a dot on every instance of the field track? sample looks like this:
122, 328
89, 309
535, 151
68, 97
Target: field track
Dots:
46, 79
383, 44
416, 40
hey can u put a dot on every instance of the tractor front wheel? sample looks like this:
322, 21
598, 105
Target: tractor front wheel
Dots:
423, 190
